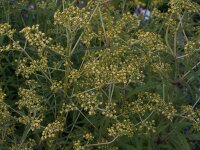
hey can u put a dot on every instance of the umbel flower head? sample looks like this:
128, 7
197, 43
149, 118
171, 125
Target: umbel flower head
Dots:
5, 29
52, 129
36, 37
72, 18
6, 127
121, 128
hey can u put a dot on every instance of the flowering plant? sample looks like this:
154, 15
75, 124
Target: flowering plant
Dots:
95, 78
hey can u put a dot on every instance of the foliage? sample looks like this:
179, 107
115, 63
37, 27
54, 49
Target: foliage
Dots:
93, 76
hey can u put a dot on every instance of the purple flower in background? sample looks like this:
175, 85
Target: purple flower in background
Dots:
25, 12
145, 12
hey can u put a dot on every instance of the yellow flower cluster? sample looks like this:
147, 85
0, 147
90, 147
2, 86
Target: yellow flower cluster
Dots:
78, 146
169, 21
34, 122
36, 37
151, 102
155, 103
34, 105
33, 84
138, 107
146, 127
25, 70
157, 13
68, 107
178, 6
113, 30
74, 75
193, 115
27, 67
89, 102
5, 117
56, 86
127, 23
31, 100
72, 18
88, 136
58, 49
12, 46
42, 4
52, 130
121, 128
160, 67
110, 111
151, 42
171, 24
41, 64
88, 35
151, 47
5, 29
189, 48
113, 66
